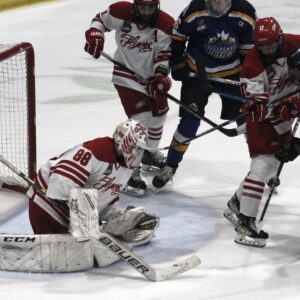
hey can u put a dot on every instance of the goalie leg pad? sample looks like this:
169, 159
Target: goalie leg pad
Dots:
44, 253
84, 220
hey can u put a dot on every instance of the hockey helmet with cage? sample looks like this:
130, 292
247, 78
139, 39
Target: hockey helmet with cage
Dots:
146, 11
218, 8
130, 137
267, 36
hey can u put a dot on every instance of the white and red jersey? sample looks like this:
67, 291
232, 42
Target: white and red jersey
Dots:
92, 164
268, 82
141, 49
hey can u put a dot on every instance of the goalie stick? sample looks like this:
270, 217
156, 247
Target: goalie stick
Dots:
121, 250
228, 132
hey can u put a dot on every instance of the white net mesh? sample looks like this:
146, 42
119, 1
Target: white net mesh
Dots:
14, 129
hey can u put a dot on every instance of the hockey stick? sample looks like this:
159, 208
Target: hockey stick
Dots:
216, 79
260, 223
228, 132
121, 250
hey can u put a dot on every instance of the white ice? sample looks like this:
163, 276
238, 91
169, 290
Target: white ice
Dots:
76, 101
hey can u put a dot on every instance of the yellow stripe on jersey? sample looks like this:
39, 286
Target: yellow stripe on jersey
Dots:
245, 17
178, 38
217, 74
200, 13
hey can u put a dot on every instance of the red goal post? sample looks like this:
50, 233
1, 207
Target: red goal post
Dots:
17, 114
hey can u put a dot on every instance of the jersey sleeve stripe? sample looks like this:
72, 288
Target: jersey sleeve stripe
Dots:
69, 176
76, 166
41, 181
69, 170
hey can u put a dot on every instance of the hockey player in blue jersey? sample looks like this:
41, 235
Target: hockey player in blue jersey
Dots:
219, 33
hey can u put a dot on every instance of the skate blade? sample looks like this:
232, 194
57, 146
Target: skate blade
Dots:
133, 191
230, 216
243, 239
150, 170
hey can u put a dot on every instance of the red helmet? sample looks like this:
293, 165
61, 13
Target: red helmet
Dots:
266, 31
146, 11
267, 35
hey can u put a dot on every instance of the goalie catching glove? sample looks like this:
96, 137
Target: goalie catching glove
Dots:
134, 225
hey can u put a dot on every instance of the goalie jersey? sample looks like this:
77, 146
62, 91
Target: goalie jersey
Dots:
91, 165
219, 42
140, 48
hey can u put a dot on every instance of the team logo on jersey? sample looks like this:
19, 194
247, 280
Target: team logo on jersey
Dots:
222, 46
132, 42
126, 27
108, 170
107, 184
201, 25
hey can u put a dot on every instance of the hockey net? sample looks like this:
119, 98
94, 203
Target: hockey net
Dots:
17, 114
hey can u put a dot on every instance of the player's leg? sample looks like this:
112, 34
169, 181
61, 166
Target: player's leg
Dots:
195, 98
247, 232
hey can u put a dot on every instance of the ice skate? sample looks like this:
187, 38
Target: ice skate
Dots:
232, 212
153, 162
136, 186
164, 176
247, 232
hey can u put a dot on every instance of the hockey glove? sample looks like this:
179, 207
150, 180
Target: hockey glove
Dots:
288, 108
290, 151
94, 42
257, 109
160, 85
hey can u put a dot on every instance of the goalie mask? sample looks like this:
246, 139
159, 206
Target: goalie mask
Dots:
130, 137
267, 37
218, 8
146, 11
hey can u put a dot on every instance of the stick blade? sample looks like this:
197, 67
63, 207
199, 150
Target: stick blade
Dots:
177, 268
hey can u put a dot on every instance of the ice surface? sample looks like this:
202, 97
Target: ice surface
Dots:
76, 101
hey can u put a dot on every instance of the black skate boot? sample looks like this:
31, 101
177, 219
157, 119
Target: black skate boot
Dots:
136, 186
247, 232
152, 162
232, 212
166, 174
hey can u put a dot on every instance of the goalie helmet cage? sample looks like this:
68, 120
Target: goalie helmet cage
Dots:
17, 114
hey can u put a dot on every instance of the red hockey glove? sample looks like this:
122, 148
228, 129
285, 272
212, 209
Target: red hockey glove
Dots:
257, 109
288, 108
160, 85
94, 42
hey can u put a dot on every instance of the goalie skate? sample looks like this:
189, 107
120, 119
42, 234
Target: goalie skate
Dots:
232, 212
153, 162
247, 233
136, 186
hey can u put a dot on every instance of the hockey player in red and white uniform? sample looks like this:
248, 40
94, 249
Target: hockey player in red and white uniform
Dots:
103, 166
266, 78
142, 34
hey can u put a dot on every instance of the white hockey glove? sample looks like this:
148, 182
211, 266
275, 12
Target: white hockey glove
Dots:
134, 225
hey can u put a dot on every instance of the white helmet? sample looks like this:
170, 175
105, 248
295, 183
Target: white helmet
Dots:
218, 8
130, 137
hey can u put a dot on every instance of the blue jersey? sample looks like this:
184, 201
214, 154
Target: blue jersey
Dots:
220, 42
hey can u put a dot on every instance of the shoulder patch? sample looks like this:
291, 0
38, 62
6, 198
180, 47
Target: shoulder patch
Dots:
165, 22
103, 149
122, 10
